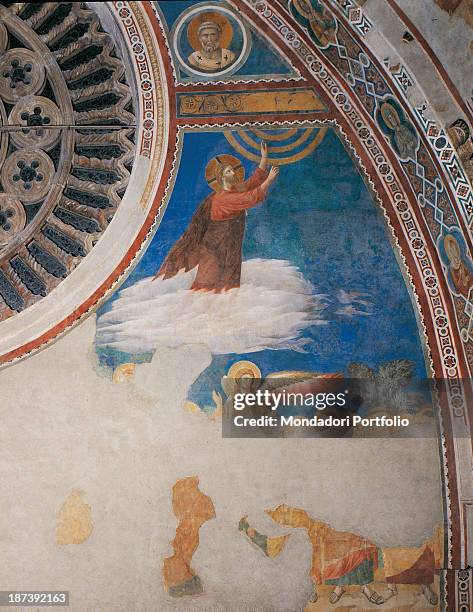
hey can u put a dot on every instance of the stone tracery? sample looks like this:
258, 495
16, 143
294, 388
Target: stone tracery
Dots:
68, 131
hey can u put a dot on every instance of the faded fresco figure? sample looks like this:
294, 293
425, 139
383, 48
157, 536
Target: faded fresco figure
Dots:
213, 241
461, 276
404, 139
321, 21
270, 546
341, 559
211, 57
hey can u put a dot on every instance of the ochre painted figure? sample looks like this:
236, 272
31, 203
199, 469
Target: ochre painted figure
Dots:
342, 559
461, 276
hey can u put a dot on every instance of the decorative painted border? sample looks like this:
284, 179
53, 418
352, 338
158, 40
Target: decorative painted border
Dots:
378, 159
442, 150
447, 352
377, 150
138, 42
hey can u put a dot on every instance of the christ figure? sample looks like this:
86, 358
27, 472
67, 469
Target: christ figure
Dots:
213, 240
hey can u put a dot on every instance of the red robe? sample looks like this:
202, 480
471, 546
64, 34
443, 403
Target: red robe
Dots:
213, 240
462, 279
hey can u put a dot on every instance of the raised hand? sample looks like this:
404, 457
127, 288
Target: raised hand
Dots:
273, 174
264, 155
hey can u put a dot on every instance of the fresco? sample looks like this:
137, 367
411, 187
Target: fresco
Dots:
202, 199
239, 50
292, 283
211, 42
273, 255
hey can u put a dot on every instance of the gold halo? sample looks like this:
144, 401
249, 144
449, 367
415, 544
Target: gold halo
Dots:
211, 175
244, 368
450, 242
193, 28
277, 161
301, 374
285, 135
306, 134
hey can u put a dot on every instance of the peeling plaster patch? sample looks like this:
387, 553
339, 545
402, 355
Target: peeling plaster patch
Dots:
192, 508
75, 520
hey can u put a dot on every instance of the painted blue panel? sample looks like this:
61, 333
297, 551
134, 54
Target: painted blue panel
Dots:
322, 218
262, 60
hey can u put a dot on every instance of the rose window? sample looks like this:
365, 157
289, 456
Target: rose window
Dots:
67, 131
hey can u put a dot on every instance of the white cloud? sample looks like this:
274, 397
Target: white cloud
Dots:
270, 310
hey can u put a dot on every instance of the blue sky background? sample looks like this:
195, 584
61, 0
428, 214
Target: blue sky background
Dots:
323, 219
262, 58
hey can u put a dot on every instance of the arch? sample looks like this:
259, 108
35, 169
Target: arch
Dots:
408, 152
354, 82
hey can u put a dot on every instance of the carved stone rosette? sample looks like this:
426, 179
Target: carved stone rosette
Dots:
67, 131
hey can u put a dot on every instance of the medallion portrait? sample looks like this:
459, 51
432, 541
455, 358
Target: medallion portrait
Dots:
210, 40
394, 124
